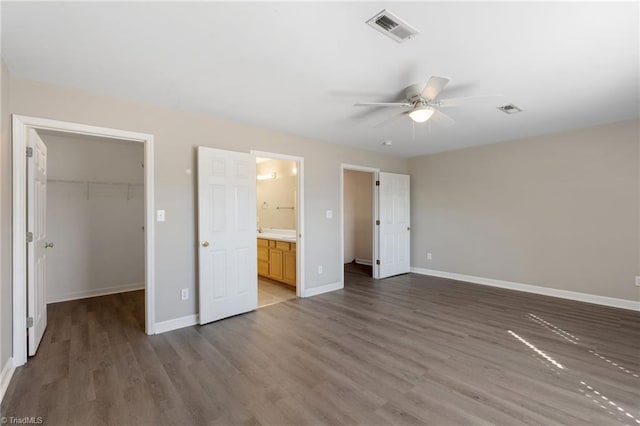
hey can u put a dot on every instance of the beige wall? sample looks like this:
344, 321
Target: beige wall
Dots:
177, 134
274, 193
6, 312
560, 211
557, 211
358, 215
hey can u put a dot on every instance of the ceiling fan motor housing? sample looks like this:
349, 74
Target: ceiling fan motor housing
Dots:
413, 93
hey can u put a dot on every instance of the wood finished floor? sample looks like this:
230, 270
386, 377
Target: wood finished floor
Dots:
357, 269
406, 350
271, 292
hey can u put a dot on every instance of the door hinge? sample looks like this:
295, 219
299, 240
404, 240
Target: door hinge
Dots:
29, 152
377, 222
29, 237
377, 261
29, 322
377, 183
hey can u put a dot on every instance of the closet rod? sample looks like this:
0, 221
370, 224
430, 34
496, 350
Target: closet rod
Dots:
85, 182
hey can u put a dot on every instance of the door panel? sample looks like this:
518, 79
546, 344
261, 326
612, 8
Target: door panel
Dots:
243, 256
395, 241
227, 233
36, 250
275, 264
289, 267
219, 273
263, 268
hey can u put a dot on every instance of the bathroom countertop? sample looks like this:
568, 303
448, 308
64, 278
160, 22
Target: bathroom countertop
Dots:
287, 235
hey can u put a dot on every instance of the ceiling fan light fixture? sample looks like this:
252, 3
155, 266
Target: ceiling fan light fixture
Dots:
421, 114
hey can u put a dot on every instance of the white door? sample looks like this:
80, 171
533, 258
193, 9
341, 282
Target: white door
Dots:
36, 249
227, 233
394, 224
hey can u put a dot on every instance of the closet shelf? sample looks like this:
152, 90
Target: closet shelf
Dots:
94, 182
87, 184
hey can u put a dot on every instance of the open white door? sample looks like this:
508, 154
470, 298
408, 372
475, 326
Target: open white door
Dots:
37, 247
394, 224
227, 232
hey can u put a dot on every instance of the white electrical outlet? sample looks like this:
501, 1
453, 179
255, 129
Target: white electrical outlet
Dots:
184, 294
320, 269
637, 280
429, 257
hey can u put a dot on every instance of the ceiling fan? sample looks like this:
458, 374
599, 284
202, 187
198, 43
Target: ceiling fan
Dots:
423, 103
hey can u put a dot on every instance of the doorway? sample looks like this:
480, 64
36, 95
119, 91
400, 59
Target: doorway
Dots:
277, 227
390, 229
94, 216
297, 243
228, 234
30, 207
358, 221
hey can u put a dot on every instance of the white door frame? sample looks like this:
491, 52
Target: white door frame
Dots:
21, 125
375, 269
300, 281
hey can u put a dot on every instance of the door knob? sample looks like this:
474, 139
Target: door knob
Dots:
205, 244
48, 245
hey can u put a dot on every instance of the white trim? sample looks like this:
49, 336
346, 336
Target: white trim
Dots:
5, 377
83, 294
323, 289
375, 270
20, 127
176, 323
563, 294
366, 262
300, 252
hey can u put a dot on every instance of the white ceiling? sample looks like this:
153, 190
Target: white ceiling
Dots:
299, 67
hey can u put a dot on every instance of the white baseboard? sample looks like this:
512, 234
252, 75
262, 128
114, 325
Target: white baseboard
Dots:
176, 323
364, 262
309, 292
83, 294
563, 294
5, 377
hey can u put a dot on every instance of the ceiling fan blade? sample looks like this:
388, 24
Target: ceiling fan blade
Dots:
434, 87
441, 119
383, 104
469, 100
390, 119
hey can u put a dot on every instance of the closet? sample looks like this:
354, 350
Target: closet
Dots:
95, 216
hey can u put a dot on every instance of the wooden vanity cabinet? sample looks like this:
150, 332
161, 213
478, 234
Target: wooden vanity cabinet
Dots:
277, 260
289, 265
263, 257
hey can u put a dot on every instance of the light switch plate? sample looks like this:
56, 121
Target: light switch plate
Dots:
329, 214
637, 280
160, 217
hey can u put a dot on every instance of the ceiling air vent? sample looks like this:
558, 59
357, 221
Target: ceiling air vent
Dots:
509, 109
392, 26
